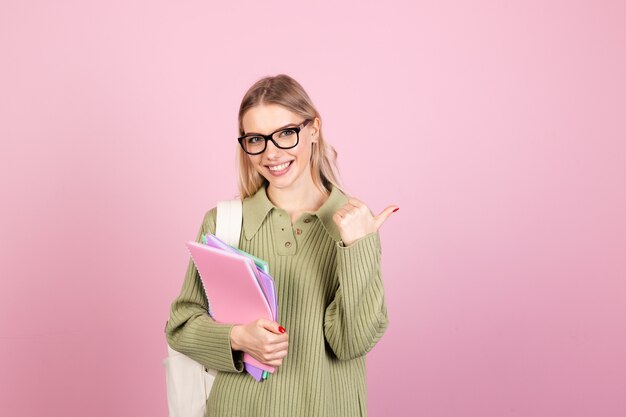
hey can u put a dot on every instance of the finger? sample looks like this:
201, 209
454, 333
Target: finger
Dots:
265, 324
274, 357
269, 359
275, 354
271, 326
279, 355
275, 363
275, 339
384, 215
341, 213
279, 347
355, 202
349, 209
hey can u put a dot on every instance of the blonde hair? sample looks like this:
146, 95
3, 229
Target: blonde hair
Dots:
286, 92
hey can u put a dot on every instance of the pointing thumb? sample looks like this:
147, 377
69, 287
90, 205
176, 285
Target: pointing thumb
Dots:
384, 215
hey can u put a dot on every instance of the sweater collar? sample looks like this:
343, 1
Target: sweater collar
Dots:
257, 207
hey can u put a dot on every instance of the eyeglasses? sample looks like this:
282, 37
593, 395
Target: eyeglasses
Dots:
285, 138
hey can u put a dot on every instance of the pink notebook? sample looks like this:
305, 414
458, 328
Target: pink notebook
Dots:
232, 287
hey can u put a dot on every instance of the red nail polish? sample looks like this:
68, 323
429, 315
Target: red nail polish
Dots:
281, 329
396, 210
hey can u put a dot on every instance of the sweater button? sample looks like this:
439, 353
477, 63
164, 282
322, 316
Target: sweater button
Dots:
287, 244
307, 220
298, 231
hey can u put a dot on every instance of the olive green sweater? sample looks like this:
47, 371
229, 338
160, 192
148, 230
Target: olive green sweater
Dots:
330, 300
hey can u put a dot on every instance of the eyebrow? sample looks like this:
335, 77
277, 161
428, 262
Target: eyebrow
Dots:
280, 128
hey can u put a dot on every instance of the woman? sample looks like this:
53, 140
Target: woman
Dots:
323, 251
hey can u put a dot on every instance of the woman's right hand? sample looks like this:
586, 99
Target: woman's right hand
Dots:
265, 340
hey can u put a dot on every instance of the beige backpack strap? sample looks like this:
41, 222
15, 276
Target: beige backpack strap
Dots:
229, 219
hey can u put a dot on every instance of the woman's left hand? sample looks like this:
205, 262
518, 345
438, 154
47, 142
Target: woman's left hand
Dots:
355, 220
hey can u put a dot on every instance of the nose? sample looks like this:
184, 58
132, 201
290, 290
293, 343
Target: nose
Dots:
271, 150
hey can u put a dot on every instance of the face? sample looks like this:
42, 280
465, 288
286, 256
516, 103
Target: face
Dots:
286, 169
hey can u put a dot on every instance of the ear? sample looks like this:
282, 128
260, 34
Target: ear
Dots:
315, 129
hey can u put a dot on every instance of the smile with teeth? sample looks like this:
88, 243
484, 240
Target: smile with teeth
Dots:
279, 167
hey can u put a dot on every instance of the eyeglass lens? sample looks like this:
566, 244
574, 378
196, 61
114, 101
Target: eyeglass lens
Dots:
286, 138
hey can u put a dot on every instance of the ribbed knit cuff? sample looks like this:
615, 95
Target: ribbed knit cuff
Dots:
215, 341
360, 258
369, 242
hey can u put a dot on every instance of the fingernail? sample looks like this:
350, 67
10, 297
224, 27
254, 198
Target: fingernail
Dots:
396, 210
281, 329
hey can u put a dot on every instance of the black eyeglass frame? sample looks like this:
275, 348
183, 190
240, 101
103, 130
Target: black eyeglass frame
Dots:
297, 129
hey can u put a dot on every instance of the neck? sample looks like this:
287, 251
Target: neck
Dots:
297, 198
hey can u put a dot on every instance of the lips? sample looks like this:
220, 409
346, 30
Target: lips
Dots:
279, 167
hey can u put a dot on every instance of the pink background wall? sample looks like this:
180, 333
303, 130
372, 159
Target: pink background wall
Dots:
497, 127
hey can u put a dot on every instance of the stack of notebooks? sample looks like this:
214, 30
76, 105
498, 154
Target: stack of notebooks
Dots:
239, 289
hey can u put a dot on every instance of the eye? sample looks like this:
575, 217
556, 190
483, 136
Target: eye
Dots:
287, 132
253, 139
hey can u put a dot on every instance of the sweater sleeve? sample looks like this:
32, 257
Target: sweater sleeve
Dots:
357, 317
190, 330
